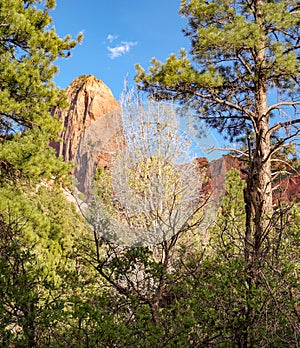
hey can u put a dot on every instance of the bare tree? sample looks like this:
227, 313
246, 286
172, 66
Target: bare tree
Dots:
155, 205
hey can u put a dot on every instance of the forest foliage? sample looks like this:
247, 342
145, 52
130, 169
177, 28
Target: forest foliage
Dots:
67, 279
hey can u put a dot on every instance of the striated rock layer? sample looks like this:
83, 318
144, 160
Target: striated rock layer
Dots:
92, 132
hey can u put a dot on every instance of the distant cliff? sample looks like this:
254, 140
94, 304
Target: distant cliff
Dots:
286, 188
92, 129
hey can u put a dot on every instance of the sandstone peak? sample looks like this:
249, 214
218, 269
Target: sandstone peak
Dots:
92, 129
94, 95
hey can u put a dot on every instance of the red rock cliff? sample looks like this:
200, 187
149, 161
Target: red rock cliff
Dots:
286, 189
92, 132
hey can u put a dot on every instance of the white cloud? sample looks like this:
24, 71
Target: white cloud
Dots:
121, 49
111, 37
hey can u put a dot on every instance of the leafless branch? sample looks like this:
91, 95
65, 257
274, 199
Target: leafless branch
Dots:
283, 125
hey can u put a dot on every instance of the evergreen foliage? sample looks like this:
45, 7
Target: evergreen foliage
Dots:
29, 47
39, 227
240, 50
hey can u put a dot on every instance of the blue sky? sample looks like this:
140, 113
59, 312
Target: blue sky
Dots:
117, 35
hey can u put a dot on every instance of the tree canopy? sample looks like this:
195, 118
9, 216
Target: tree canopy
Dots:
28, 48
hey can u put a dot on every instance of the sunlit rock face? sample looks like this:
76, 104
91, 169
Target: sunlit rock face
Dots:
92, 132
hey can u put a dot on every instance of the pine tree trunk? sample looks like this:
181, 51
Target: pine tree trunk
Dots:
261, 192
258, 206
258, 191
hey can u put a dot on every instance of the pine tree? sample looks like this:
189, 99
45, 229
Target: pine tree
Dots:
29, 47
37, 225
242, 77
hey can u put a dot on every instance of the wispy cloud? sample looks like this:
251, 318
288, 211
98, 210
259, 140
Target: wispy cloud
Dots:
121, 49
111, 37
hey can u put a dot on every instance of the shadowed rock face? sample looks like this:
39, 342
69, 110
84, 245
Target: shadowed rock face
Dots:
92, 131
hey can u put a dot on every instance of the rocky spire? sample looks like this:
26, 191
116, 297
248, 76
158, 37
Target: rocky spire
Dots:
92, 132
